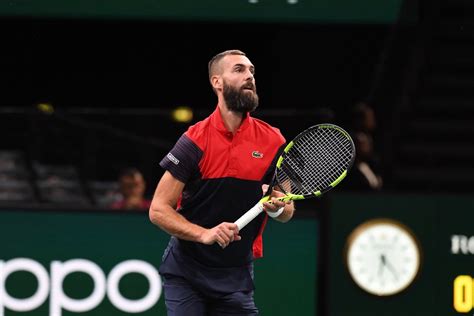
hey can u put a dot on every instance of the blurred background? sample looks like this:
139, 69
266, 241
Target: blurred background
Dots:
94, 94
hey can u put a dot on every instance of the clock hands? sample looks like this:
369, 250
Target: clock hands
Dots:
385, 263
392, 269
381, 265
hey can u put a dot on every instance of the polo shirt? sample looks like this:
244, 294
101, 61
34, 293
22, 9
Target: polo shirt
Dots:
223, 175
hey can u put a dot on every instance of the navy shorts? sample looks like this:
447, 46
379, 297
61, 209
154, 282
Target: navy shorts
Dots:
182, 299
191, 289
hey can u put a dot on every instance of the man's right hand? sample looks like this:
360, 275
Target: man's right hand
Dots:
223, 234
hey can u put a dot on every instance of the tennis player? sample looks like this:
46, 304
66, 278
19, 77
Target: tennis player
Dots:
213, 175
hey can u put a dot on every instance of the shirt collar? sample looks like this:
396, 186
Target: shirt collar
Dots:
218, 122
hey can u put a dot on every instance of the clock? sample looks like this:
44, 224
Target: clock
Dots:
383, 256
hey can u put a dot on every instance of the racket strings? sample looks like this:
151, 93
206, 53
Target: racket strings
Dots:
316, 160
331, 156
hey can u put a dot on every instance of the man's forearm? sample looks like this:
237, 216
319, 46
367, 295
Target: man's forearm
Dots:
175, 224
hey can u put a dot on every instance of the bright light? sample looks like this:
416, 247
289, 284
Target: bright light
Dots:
46, 108
182, 114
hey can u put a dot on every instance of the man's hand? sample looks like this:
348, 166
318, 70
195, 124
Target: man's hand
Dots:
223, 234
273, 204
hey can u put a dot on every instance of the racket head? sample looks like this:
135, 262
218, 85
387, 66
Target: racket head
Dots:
315, 161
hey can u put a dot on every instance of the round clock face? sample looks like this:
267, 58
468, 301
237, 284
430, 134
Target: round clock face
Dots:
383, 257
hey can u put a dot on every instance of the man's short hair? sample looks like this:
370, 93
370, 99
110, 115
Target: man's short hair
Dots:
215, 60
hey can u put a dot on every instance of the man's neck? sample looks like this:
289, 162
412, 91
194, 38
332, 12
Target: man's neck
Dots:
232, 120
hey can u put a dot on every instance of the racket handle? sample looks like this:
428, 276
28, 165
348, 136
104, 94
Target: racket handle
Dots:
249, 215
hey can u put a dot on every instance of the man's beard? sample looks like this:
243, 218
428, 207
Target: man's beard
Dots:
240, 100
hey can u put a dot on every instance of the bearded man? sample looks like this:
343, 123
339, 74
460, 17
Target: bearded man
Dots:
213, 175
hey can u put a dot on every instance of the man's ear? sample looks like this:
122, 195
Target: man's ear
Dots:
216, 82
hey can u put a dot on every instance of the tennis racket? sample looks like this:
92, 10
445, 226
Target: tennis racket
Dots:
313, 163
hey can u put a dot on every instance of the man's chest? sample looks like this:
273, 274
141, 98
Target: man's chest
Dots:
240, 157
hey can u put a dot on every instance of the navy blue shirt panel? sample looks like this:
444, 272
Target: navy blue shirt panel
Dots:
182, 161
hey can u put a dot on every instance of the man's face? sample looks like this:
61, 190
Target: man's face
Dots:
132, 185
239, 90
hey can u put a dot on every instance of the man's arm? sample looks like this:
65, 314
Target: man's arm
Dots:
163, 214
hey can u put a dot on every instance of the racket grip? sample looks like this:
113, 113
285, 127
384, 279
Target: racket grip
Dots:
249, 215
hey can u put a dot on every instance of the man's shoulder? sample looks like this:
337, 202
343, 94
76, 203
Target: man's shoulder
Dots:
266, 129
197, 132
198, 126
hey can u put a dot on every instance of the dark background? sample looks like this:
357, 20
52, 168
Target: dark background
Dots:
142, 65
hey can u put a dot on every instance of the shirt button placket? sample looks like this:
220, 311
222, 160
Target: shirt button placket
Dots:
232, 159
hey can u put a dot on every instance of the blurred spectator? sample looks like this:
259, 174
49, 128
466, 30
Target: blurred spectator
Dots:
132, 190
364, 175
363, 118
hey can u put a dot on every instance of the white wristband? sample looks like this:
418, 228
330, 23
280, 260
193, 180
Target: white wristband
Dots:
277, 213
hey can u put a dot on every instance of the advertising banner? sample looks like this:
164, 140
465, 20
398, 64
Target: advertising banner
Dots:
59, 262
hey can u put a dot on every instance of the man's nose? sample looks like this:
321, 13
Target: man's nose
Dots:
249, 75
